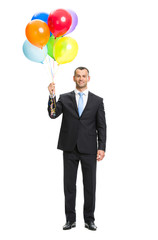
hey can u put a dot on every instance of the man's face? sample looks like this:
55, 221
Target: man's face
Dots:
81, 78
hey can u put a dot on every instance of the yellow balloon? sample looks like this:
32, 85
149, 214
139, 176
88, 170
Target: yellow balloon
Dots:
65, 50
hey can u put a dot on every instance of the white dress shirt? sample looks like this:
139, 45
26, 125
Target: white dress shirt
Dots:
85, 97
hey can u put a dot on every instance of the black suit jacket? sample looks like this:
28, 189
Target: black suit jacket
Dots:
87, 131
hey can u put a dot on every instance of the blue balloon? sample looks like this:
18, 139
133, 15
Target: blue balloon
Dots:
34, 53
41, 16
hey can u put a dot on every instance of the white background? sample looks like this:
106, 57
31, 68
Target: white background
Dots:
118, 42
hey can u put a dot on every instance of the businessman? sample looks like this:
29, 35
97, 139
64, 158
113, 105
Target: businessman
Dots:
83, 139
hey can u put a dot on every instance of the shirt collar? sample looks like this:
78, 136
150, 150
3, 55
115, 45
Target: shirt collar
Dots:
85, 92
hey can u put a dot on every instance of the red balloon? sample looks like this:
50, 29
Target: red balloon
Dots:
59, 22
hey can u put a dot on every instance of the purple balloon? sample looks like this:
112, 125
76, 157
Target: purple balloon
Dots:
74, 21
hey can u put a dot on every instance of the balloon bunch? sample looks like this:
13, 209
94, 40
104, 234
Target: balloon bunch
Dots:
46, 34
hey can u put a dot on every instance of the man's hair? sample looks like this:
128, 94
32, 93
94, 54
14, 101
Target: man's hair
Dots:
81, 68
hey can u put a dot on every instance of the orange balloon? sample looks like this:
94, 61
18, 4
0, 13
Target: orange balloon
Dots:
37, 33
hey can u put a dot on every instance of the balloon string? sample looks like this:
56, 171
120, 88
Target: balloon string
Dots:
52, 75
49, 67
54, 78
53, 64
56, 70
52, 69
51, 72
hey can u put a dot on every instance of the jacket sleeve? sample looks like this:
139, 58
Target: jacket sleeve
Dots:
101, 127
54, 108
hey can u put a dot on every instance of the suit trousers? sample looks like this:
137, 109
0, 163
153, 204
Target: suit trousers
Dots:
88, 166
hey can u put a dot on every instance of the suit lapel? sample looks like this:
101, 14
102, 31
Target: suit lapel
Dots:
74, 101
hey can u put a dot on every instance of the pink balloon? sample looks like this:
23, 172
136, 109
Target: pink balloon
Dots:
74, 21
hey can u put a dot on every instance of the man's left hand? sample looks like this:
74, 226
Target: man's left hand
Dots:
100, 155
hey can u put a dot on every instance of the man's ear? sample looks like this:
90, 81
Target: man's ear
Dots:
89, 78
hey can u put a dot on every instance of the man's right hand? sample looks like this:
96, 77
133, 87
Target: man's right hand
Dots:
51, 88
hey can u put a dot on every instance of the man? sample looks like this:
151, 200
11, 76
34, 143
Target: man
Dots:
82, 138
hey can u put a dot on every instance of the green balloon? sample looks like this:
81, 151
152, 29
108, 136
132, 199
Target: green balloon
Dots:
50, 44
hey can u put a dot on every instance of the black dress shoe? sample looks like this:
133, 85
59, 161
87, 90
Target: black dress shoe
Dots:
91, 226
69, 225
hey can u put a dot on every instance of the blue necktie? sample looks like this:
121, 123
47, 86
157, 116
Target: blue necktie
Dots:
80, 103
